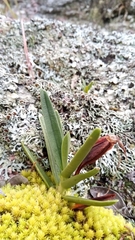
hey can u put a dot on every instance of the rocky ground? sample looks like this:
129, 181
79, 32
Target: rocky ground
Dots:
65, 54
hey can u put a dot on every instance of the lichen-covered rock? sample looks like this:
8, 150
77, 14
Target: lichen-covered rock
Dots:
64, 56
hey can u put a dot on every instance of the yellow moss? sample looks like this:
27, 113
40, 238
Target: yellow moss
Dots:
77, 225
58, 200
70, 229
33, 212
31, 237
56, 238
15, 211
80, 216
106, 229
44, 229
13, 236
9, 231
62, 226
110, 237
90, 234
77, 238
40, 235
64, 210
86, 226
99, 234
54, 230
45, 205
66, 217
82, 232
6, 217
28, 208
90, 222
111, 225
36, 210
97, 225
54, 207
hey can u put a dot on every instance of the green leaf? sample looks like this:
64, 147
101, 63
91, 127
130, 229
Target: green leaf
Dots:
72, 181
89, 202
88, 87
51, 153
59, 123
65, 149
53, 135
38, 167
85, 89
81, 153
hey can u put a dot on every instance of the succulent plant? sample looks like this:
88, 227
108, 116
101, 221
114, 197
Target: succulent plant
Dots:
58, 146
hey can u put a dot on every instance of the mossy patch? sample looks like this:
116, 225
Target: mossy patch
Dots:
33, 212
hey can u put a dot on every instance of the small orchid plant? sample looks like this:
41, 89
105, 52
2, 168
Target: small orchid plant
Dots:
67, 175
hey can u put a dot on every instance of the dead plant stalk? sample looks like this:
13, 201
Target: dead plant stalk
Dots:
28, 62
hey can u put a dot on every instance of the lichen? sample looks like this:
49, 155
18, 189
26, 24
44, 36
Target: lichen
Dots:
63, 56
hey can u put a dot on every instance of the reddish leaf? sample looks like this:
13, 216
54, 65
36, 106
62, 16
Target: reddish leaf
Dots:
102, 145
78, 206
105, 197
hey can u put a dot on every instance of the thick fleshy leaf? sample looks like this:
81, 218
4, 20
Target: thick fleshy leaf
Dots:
53, 135
81, 153
38, 167
72, 181
89, 202
102, 145
101, 198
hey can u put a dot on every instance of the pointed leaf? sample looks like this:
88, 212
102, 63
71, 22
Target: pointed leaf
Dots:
52, 134
81, 153
88, 87
52, 155
39, 168
65, 149
72, 181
